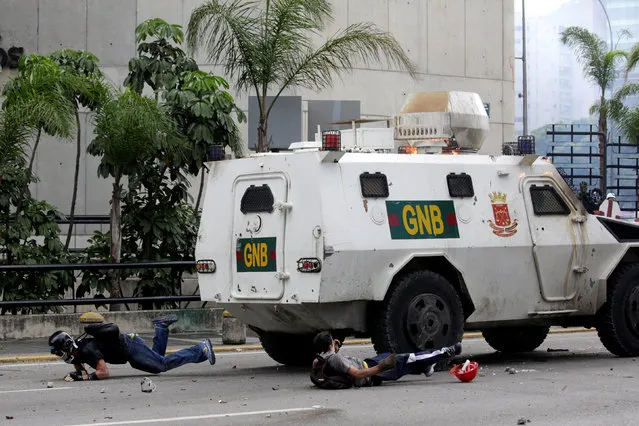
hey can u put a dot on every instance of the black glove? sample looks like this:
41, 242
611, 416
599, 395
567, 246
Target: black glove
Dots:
388, 363
76, 376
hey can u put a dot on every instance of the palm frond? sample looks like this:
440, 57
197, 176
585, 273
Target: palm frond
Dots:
14, 137
228, 31
607, 73
358, 44
629, 89
287, 26
590, 50
629, 125
633, 58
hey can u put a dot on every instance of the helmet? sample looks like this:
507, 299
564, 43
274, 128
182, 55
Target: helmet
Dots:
62, 344
610, 195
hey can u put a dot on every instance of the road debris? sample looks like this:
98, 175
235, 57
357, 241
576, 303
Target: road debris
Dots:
221, 402
49, 385
147, 385
9, 417
276, 387
523, 421
103, 390
510, 370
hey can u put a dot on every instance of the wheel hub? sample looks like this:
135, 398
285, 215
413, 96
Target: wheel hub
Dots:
632, 311
428, 321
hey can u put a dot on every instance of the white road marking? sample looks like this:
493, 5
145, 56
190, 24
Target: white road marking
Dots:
202, 417
36, 390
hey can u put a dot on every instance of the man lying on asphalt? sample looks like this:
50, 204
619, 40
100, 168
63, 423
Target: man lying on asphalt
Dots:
332, 370
109, 346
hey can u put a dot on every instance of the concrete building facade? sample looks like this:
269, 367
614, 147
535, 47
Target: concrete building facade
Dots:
457, 45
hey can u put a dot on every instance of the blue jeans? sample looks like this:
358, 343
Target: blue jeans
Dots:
141, 357
413, 363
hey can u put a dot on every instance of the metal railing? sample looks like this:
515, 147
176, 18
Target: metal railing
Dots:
620, 157
10, 304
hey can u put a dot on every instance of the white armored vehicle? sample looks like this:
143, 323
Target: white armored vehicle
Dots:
407, 235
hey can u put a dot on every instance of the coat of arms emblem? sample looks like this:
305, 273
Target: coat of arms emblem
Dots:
503, 225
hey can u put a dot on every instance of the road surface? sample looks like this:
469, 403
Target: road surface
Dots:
576, 383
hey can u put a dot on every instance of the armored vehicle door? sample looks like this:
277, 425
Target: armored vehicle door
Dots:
259, 223
557, 239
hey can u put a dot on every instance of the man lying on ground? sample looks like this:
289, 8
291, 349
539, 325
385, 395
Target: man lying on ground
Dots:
332, 370
109, 346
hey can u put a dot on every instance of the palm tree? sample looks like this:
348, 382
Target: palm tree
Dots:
91, 95
41, 85
600, 66
129, 130
266, 47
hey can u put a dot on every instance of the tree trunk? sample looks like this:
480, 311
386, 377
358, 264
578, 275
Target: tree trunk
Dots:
262, 141
262, 130
199, 194
78, 153
29, 171
603, 130
116, 242
35, 148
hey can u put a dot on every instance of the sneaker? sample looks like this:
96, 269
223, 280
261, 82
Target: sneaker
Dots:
430, 370
208, 351
451, 351
165, 321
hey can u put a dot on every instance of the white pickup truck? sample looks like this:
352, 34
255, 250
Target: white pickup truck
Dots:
412, 248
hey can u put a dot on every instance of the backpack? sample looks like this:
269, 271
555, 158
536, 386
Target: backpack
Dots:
323, 377
108, 332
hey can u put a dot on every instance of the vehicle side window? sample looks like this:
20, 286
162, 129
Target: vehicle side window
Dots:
373, 185
546, 201
460, 185
257, 199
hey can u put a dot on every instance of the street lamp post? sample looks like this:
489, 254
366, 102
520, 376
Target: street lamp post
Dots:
612, 85
524, 67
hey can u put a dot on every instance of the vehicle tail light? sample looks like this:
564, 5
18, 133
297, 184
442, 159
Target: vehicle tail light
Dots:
331, 140
309, 264
407, 149
206, 266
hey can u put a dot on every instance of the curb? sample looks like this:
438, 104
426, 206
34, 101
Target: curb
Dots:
247, 348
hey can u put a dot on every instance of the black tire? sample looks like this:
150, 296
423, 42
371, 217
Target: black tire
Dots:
618, 318
289, 349
516, 339
423, 312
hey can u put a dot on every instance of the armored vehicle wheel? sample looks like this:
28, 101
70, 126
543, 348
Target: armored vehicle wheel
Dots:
289, 349
618, 318
515, 339
422, 312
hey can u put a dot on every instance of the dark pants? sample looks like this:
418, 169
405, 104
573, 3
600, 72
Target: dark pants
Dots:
141, 357
413, 363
